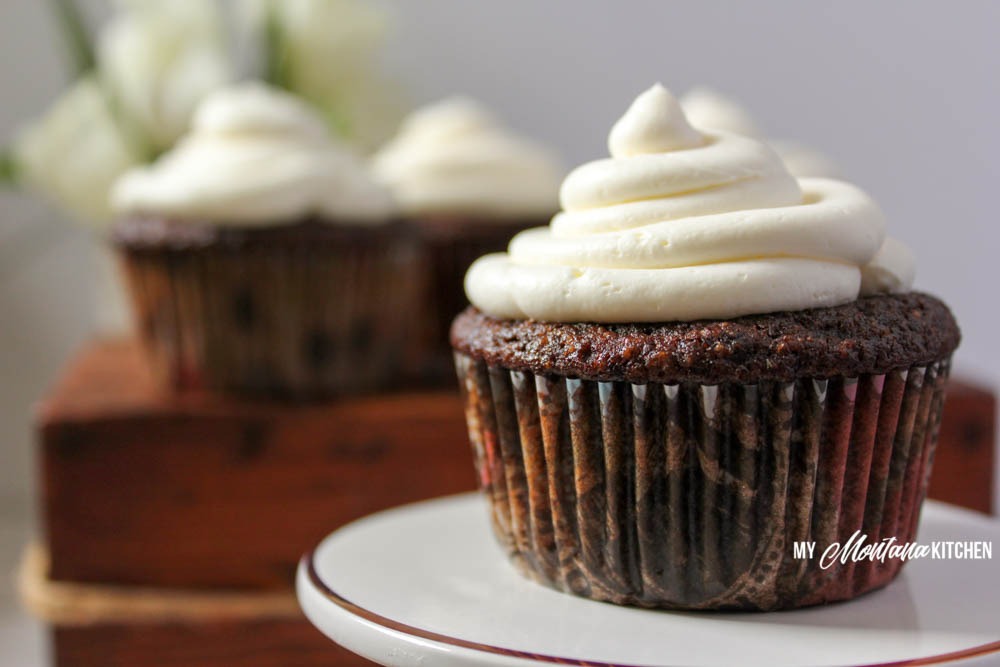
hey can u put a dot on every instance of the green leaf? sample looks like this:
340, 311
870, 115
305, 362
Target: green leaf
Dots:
78, 42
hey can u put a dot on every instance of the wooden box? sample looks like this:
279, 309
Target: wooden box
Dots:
208, 492
129, 626
965, 461
269, 643
166, 496
158, 495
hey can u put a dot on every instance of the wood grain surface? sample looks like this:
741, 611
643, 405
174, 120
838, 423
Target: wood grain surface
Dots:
203, 491
286, 643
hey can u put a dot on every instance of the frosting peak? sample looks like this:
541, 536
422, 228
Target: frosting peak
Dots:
454, 157
710, 110
254, 155
684, 225
653, 124
448, 119
253, 108
663, 169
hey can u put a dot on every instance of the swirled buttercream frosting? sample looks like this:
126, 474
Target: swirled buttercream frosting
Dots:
454, 157
255, 156
681, 224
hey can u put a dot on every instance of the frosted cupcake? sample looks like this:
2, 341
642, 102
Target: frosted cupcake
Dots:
468, 185
700, 361
709, 110
261, 257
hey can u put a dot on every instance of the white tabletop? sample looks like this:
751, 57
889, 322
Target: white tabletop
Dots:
426, 584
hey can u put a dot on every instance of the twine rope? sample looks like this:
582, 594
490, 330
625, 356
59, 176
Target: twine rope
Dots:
75, 604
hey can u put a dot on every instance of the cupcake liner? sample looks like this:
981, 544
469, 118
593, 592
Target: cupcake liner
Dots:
296, 319
450, 246
690, 496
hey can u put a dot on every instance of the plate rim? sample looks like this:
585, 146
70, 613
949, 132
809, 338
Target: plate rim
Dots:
308, 565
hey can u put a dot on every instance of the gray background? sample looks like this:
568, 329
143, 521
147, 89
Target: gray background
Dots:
903, 96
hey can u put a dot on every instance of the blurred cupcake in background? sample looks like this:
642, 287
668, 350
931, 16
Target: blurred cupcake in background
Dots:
466, 184
708, 109
261, 256
139, 77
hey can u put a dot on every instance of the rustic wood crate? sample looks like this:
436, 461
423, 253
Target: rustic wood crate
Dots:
965, 461
206, 492
282, 643
199, 492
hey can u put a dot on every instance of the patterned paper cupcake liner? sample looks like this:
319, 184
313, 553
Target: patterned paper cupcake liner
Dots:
299, 320
691, 496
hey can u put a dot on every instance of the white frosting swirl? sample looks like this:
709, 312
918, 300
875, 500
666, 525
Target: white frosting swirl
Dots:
891, 271
684, 225
453, 157
707, 109
255, 155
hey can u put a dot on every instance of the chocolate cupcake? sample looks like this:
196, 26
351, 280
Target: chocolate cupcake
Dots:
701, 362
262, 259
466, 185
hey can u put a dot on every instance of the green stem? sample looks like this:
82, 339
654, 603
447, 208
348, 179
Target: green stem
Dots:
77, 38
275, 55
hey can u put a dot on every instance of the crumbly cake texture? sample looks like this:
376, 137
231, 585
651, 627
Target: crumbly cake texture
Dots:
870, 335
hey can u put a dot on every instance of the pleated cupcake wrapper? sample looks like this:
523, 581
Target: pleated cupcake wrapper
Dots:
300, 320
691, 496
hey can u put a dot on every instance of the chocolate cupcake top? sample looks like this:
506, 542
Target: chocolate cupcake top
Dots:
870, 335
681, 225
256, 156
454, 158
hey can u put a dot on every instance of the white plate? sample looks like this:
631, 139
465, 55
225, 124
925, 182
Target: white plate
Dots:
426, 584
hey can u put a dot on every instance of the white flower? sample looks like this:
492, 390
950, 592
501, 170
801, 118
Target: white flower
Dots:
159, 58
75, 153
328, 53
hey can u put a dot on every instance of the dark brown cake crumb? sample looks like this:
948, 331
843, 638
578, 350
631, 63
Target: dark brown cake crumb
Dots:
870, 335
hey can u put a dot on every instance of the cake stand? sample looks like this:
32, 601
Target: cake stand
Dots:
426, 584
